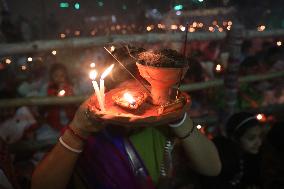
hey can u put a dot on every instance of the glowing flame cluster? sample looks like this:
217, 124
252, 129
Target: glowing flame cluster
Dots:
93, 74
92, 65
129, 98
218, 67
61, 93
261, 28
107, 71
261, 117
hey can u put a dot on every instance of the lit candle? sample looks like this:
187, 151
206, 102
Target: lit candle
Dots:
93, 74
129, 98
61, 93
261, 117
218, 68
112, 48
102, 82
92, 65
102, 90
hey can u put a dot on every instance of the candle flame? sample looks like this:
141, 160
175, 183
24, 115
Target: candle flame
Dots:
107, 71
93, 74
112, 48
198, 126
129, 98
218, 67
61, 93
8, 61
92, 65
261, 117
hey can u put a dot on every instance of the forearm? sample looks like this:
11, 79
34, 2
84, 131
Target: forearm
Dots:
201, 152
56, 168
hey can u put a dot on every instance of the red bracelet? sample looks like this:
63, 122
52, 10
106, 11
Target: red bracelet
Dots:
76, 134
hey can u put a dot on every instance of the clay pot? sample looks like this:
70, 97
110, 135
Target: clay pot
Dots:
161, 80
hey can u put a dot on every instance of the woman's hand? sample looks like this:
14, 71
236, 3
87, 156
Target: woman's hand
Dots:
83, 124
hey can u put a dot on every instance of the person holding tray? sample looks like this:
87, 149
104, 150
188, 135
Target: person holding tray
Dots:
92, 153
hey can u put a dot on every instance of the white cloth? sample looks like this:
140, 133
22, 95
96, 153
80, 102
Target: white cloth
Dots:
13, 129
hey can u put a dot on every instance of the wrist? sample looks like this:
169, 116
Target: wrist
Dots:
72, 141
76, 130
178, 122
185, 129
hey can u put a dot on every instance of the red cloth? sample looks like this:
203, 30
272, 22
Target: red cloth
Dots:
53, 112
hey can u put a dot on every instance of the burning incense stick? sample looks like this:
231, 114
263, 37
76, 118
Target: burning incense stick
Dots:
127, 70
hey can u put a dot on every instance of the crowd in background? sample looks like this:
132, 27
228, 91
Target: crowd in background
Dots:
49, 74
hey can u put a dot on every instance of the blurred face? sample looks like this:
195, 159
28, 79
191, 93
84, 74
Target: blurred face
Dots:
59, 76
251, 140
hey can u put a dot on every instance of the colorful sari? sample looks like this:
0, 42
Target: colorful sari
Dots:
105, 163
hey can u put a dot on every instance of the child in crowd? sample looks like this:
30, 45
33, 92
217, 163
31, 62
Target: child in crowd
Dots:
239, 154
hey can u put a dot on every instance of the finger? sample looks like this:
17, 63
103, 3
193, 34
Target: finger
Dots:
106, 116
134, 119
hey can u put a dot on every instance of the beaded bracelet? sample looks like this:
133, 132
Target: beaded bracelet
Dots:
188, 134
69, 147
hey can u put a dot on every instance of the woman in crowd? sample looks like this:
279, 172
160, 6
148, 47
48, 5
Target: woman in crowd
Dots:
103, 161
93, 154
239, 154
59, 85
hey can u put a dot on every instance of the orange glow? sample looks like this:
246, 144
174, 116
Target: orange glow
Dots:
61, 93
62, 35
261, 28
174, 27
161, 26
93, 32
182, 28
77, 33
129, 98
261, 117
118, 27
112, 48
211, 29
24, 67
93, 74
8, 61
92, 65
218, 67
191, 29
